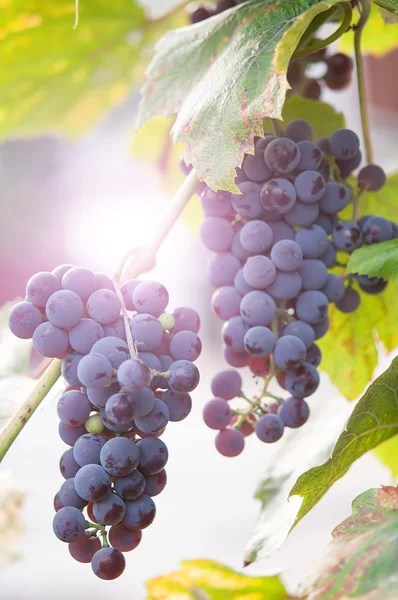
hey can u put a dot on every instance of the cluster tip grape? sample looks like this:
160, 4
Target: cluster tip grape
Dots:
117, 403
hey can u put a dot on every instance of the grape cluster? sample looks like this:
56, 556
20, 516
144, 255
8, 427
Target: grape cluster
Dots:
201, 11
118, 401
337, 73
275, 242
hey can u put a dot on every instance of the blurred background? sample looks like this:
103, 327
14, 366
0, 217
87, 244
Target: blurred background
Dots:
86, 201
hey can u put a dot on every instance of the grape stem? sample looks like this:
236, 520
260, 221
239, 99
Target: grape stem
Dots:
141, 259
23, 414
364, 9
129, 336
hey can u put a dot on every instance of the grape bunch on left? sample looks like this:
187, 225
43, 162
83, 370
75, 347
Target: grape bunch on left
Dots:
117, 403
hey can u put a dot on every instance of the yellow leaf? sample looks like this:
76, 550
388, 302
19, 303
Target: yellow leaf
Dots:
378, 38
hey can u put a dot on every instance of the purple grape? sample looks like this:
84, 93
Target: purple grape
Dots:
313, 273
104, 306
377, 229
254, 166
57, 503
290, 352
256, 237
61, 270
259, 271
69, 496
155, 484
312, 307
115, 329
50, 341
179, 405
156, 420
350, 302
112, 348
327, 222
346, 167
334, 288
281, 231
131, 486
282, 156
247, 204
344, 144
240, 283
133, 375
119, 409
119, 456
99, 396
216, 234
335, 198
294, 412
92, 482
81, 281
112, 425
226, 302
301, 330
104, 282
324, 145
285, 286
153, 455
312, 240
320, 329
185, 345
40, 287
83, 336
302, 214
140, 513
143, 402
124, 540
226, 384
184, 376
186, 319
68, 465
257, 308
310, 186
372, 178
94, 370
347, 236
87, 449
73, 408
217, 413
259, 341
299, 131
69, 524
110, 510
235, 359
329, 256
70, 435
233, 333
287, 255
303, 381
64, 309
216, 204
230, 442
108, 563
376, 288
269, 428
314, 354
310, 156
278, 196
150, 297
23, 319
147, 332
222, 269
84, 549
127, 290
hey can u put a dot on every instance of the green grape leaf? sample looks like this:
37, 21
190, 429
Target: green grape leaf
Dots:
222, 77
387, 453
373, 420
361, 560
389, 6
298, 451
377, 260
324, 119
64, 79
378, 37
349, 349
388, 17
210, 580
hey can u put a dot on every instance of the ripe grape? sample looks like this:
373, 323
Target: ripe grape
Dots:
294, 412
69, 496
344, 144
123, 539
108, 563
153, 456
289, 352
226, 302
104, 306
23, 319
278, 196
84, 549
140, 513
150, 297
287, 255
313, 274
92, 482
310, 186
257, 308
179, 404
112, 348
301, 330
40, 287
230, 442
87, 449
350, 302
226, 384
312, 306
259, 341
377, 229
130, 487
119, 456
84, 334
69, 524
222, 269
185, 345
371, 177
156, 420
133, 375
269, 428
184, 376
110, 510
50, 341
233, 333
285, 285
312, 240
73, 408
282, 156
256, 236
94, 370
302, 381
216, 234
248, 204
298, 130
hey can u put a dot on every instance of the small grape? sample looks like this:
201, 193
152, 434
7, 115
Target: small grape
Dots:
287, 255
119, 456
108, 563
313, 273
84, 549
153, 456
371, 177
167, 321
147, 332
110, 510
94, 425
285, 285
40, 287
259, 341
81, 281
94, 370
230, 442
185, 345
312, 240
83, 336
310, 156
140, 513
73, 408
294, 412
226, 384
344, 144
226, 302
92, 482
179, 405
301, 330
278, 196
350, 302
299, 130
247, 204
282, 156
155, 484
289, 352
269, 428
302, 381
133, 375
130, 487
312, 306
184, 376
23, 319
69, 496
50, 341
217, 413
347, 236
257, 308
104, 306
156, 420
259, 271
256, 236
124, 540
69, 524
335, 198
377, 229
310, 186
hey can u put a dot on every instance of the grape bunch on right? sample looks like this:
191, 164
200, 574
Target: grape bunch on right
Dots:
275, 243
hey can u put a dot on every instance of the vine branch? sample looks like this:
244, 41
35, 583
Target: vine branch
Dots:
364, 8
23, 414
319, 44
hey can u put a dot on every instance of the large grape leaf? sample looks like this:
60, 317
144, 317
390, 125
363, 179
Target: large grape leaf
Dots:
377, 260
59, 78
210, 580
349, 349
378, 38
222, 77
361, 560
373, 420
298, 451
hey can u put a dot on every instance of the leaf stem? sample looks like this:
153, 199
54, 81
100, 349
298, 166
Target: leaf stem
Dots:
144, 257
319, 44
364, 7
22, 416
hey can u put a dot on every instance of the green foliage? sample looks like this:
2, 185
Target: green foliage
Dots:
222, 77
62, 79
298, 451
377, 260
349, 349
389, 6
373, 420
361, 560
378, 39
210, 580
324, 119
387, 453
